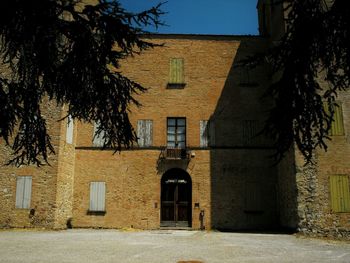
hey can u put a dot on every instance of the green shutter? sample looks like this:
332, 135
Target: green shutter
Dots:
337, 124
340, 196
176, 71
337, 127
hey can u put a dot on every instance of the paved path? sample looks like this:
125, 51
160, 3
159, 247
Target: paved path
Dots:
85, 246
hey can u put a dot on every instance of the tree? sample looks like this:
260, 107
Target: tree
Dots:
69, 52
315, 47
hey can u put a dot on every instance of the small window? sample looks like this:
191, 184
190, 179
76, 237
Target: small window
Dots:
69, 130
97, 196
339, 189
145, 133
206, 133
98, 139
176, 132
337, 128
176, 74
23, 191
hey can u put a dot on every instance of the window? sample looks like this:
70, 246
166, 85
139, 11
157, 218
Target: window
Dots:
98, 139
176, 74
337, 127
251, 129
97, 196
23, 191
206, 133
339, 189
69, 130
145, 133
176, 132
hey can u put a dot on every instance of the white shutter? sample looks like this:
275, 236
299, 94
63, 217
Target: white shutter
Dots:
69, 130
149, 133
145, 133
204, 132
97, 196
98, 140
23, 191
140, 132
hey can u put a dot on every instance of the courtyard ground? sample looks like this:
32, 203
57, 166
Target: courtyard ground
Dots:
107, 246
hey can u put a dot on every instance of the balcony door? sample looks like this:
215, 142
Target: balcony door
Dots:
176, 199
176, 133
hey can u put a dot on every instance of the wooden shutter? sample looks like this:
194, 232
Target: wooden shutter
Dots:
204, 133
23, 191
337, 127
145, 133
97, 196
250, 130
337, 124
176, 71
98, 139
69, 130
340, 197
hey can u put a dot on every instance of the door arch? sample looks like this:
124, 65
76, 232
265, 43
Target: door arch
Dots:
176, 199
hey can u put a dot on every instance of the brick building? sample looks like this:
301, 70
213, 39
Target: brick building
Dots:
199, 163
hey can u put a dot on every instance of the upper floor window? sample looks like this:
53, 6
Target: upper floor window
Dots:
176, 132
337, 127
145, 133
98, 138
176, 73
69, 130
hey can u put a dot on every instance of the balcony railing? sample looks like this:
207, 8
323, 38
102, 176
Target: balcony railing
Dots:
169, 153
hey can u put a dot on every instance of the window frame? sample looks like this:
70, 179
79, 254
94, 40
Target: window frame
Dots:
176, 134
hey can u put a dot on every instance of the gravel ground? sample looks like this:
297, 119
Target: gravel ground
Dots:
87, 245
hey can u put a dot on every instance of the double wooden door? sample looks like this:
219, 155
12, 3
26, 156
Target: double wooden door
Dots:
176, 202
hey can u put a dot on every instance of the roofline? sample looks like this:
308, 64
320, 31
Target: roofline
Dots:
200, 36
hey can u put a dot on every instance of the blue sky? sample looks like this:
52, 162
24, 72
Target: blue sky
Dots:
228, 17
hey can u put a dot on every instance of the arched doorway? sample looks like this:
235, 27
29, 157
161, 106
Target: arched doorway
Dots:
176, 199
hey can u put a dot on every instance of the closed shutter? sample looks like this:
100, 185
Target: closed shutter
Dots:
204, 133
23, 191
250, 130
69, 130
98, 139
340, 196
145, 133
176, 71
337, 127
97, 196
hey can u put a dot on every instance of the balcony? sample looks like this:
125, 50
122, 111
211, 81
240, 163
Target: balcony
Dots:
175, 154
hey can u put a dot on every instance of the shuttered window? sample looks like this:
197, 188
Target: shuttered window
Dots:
97, 196
69, 130
176, 74
206, 133
23, 191
145, 133
98, 139
337, 127
251, 128
339, 189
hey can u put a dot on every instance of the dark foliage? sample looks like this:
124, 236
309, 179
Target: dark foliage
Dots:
64, 50
314, 48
